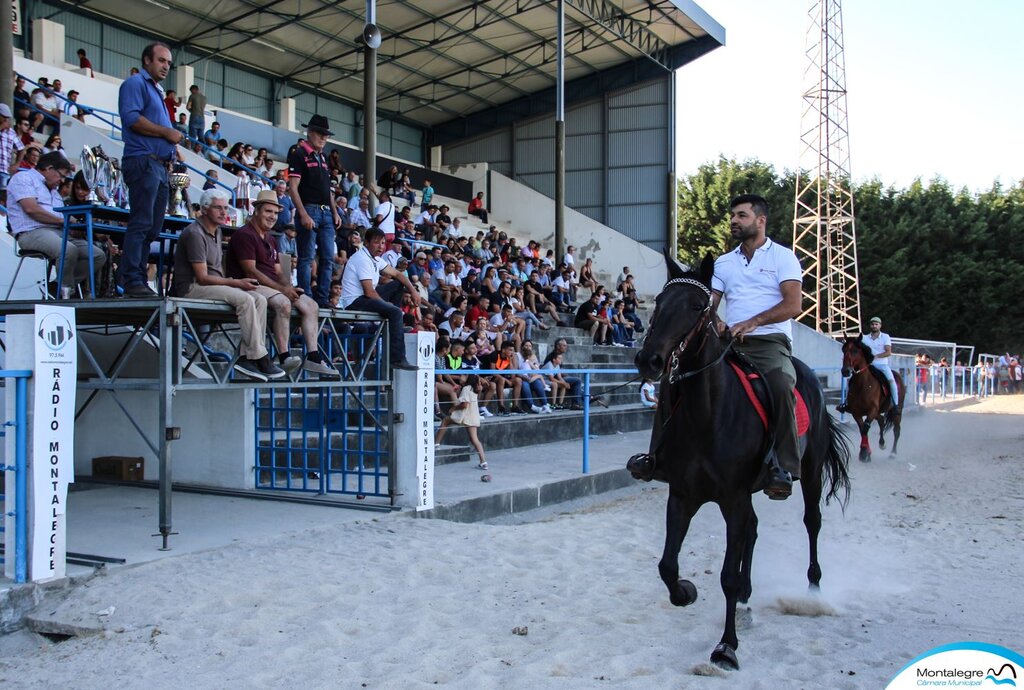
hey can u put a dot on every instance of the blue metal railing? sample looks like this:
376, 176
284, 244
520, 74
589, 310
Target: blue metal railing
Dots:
19, 469
107, 117
584, 392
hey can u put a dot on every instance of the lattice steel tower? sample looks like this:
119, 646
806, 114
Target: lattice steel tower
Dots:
824, 237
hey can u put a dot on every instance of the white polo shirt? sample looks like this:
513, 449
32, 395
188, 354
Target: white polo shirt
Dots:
361, 266
751, 288
387, 210
878, 345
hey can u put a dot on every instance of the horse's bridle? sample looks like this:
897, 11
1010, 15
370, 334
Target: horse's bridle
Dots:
704, 325
854, 370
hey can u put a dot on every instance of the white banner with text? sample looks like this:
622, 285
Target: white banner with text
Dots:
53, 438
424, 421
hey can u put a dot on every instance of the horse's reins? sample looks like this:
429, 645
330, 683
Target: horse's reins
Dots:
704, 323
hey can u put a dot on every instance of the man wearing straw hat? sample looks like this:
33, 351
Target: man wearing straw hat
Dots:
252, 254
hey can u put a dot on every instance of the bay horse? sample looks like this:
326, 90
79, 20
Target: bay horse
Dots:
709, 443
868, 399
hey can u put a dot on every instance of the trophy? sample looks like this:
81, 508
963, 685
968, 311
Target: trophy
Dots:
178, 181
118, 192
102, 177
90, 164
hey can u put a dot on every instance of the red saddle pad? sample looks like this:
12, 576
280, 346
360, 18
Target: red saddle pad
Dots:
803, 417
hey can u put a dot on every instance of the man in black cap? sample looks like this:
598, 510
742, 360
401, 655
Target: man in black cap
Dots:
316, 215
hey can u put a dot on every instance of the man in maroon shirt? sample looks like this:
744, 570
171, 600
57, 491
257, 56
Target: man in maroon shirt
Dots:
252, 253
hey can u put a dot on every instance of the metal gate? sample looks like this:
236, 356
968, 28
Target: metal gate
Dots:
334, 438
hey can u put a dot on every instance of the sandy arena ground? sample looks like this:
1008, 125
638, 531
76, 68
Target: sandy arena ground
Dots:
923, 556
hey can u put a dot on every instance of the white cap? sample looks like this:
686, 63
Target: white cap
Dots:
5, 110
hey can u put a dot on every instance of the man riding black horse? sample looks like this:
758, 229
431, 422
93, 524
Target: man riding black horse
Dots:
761, 281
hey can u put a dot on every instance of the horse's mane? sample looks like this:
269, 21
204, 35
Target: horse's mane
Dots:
869, 357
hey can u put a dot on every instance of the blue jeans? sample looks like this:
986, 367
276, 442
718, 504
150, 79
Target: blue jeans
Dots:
533, 393
638, 325
197, 127
147, 188
319, 242
387, 307
575, 390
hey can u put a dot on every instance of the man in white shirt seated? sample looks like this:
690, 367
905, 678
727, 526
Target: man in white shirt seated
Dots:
31, 197
359, 218
393, 254
359, 292
455, 327
561, 290
425, 222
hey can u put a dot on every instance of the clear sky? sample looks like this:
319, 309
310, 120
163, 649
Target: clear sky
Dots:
935, 87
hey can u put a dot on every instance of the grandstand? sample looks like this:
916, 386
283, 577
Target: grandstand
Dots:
465, 88
465, 98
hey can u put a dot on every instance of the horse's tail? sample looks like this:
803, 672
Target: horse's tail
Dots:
835, 471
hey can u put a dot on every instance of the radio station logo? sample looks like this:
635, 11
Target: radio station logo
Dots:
55, 331
426, 351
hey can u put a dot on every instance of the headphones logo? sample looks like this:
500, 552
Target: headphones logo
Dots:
426, 350
55, 331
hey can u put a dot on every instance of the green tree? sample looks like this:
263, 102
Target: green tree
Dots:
703, 205
934, 262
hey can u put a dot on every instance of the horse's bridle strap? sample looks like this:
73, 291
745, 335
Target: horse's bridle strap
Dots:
689, 281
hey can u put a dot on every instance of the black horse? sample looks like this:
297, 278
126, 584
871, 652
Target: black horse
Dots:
709, 443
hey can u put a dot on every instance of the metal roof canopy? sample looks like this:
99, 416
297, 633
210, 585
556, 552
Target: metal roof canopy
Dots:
441, 61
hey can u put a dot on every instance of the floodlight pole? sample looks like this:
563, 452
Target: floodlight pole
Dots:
370, 102
560, 137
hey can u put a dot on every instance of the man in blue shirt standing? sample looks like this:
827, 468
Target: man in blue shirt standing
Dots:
150, 145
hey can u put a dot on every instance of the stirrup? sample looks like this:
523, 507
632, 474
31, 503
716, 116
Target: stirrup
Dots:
641, 466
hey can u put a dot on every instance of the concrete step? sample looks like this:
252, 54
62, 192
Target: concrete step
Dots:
448, 454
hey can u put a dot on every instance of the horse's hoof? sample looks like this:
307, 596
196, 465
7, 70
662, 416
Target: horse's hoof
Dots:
724, 657
881, 443
685, 593
865, 456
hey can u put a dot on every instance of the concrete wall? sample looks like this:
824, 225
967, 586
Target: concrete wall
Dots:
217, 445
819, 352
528, 214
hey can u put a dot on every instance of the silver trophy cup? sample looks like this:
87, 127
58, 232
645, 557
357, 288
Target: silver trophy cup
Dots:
90, 164
102, 183
118, 192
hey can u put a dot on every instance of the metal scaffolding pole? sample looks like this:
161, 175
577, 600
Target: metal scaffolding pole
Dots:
824, 235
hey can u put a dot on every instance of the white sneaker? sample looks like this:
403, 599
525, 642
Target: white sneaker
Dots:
546, 409
536, 410
484, 412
